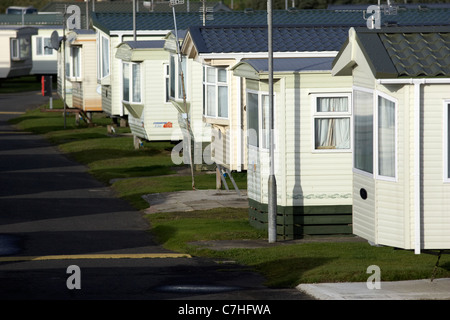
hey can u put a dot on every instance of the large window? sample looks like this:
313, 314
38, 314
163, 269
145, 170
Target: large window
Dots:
386, 137
43, 46
332, 122
131, 82
363, 130
215, 92
103, 62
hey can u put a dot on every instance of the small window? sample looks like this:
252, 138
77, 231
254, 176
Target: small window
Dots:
131, 82
252, 119
167, 81
215, 92
43, 46
386, 137
258, 119
76, 62
332, 122
15, 49
175, 80
103, 62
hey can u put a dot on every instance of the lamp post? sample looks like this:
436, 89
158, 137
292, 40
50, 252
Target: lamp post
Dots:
272, 199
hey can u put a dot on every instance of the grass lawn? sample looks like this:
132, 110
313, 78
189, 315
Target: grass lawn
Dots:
20, 84
133, 173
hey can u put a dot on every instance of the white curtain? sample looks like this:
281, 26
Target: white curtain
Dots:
333, 133
223, 101
105, 57
386, 137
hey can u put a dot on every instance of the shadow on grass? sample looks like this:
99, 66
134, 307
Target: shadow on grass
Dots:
142, 171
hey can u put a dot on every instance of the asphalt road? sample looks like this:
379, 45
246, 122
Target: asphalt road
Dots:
51, 209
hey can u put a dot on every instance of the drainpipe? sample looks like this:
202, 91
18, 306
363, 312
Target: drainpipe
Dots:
417, 147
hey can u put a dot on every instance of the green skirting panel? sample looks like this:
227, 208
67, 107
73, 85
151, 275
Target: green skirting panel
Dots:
301, 221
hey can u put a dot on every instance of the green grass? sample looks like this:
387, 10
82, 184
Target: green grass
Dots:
146, 170
20, 84
288, 265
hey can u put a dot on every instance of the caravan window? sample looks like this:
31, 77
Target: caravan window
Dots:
175, 80
131, 82
446, 141
103, 62
386, 137
43, 46
363, 130
215, 92
332, 116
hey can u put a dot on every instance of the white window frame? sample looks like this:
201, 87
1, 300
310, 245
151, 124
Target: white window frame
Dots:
216, 84
373, 93
446, 140
41, 47
334, 115
263, 133
15, 47
178, 89
378, 176
166, 67
70, 65
101, 73
131, 84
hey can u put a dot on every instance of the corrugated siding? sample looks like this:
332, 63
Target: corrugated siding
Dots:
92, 100
364, 221
313, 178
436, 193
157, 111
253, 174
77, 95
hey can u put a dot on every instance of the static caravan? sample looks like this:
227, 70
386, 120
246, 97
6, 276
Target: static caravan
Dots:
45, 58
312, 147
113, 29
145, 90
215, 50
15, 56
81, 70
401, 105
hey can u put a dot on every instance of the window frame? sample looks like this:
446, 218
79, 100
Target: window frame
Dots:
101, 47
332, 115
41, 49
14, 44
354, 168
263, 134
216, 84
376, 123
131, 84
175, 77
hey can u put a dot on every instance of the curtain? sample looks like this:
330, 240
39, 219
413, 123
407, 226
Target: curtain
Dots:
386, 137
332, 133
48, 46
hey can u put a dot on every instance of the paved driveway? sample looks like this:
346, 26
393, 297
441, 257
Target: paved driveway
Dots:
53, 214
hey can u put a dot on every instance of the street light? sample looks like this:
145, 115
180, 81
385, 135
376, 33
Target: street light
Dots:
272, 199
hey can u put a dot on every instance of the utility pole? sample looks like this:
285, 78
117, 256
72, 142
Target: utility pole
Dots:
272, 199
